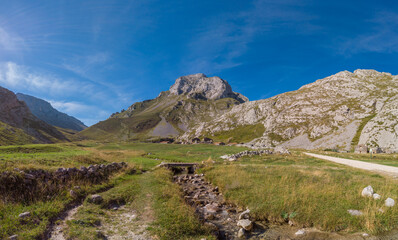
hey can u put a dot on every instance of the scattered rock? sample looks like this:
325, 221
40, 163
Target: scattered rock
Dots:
73, 194
389, 202
281, 150
241, 233
355, 212
376, 196
212, 208
13, 237
245, 224
24, 215
300, 232
96, 199
367, 192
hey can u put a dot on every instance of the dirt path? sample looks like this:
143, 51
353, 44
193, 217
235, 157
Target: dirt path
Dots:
58, 230
359, 164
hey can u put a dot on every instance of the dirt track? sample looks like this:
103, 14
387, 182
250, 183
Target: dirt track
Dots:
359, 164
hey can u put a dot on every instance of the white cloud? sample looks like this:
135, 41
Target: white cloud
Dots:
381, 38
22, 78
9, 41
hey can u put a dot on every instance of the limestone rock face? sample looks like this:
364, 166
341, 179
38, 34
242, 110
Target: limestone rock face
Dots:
199, 86
324, 114
191, 100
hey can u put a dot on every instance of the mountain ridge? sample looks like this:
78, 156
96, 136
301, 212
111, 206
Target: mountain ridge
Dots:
47, 113
19, 126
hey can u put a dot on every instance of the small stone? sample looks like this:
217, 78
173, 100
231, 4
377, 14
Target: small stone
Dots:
115, 208
13, 237
376, 196
241, 233
300, 232
365, 235
246, 224
355, 212
24, 215
244, 215
389, 202
73, 194
367, 192
291, 223
212, 208
96, 199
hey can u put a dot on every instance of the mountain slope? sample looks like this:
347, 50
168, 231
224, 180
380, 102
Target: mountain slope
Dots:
45, 112
339, 111
19, 126
192, 99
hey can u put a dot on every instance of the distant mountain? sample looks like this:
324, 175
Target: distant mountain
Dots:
19, 126
190, 100
44, 111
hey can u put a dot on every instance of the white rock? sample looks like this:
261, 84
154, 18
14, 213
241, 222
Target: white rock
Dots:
355, 212
367, 192
244, 215
389, 202
24, 215
246, 224
365, 235
300, 232
241, 233
376, 196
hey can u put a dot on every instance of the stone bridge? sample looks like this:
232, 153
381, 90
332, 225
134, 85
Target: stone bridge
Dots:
190, 167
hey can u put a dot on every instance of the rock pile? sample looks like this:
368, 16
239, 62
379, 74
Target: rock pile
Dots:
369, 192
27, 185
227, 221
234, 157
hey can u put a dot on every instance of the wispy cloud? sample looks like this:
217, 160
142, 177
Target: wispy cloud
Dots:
10, 41
381, 37
83, 99
222, 40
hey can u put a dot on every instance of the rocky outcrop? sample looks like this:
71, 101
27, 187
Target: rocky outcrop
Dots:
45, 112
199, 86
16, 117
339, 111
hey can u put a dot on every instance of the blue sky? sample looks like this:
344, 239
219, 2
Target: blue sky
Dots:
93, 58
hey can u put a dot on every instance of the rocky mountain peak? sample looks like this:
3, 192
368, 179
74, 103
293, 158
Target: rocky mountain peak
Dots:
199, 86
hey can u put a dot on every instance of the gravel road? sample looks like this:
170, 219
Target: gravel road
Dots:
358, 164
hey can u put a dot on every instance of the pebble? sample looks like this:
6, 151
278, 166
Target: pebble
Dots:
300, 232
96, 199
241, 233
24, 215
244, 215
376, 196
355, 212
13, 237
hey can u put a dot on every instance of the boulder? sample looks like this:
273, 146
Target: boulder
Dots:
367, 192
245, 224
389, 202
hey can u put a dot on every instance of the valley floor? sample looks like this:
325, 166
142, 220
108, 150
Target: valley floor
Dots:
285, 193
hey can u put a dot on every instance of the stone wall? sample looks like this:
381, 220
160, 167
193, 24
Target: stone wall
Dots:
35, 184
